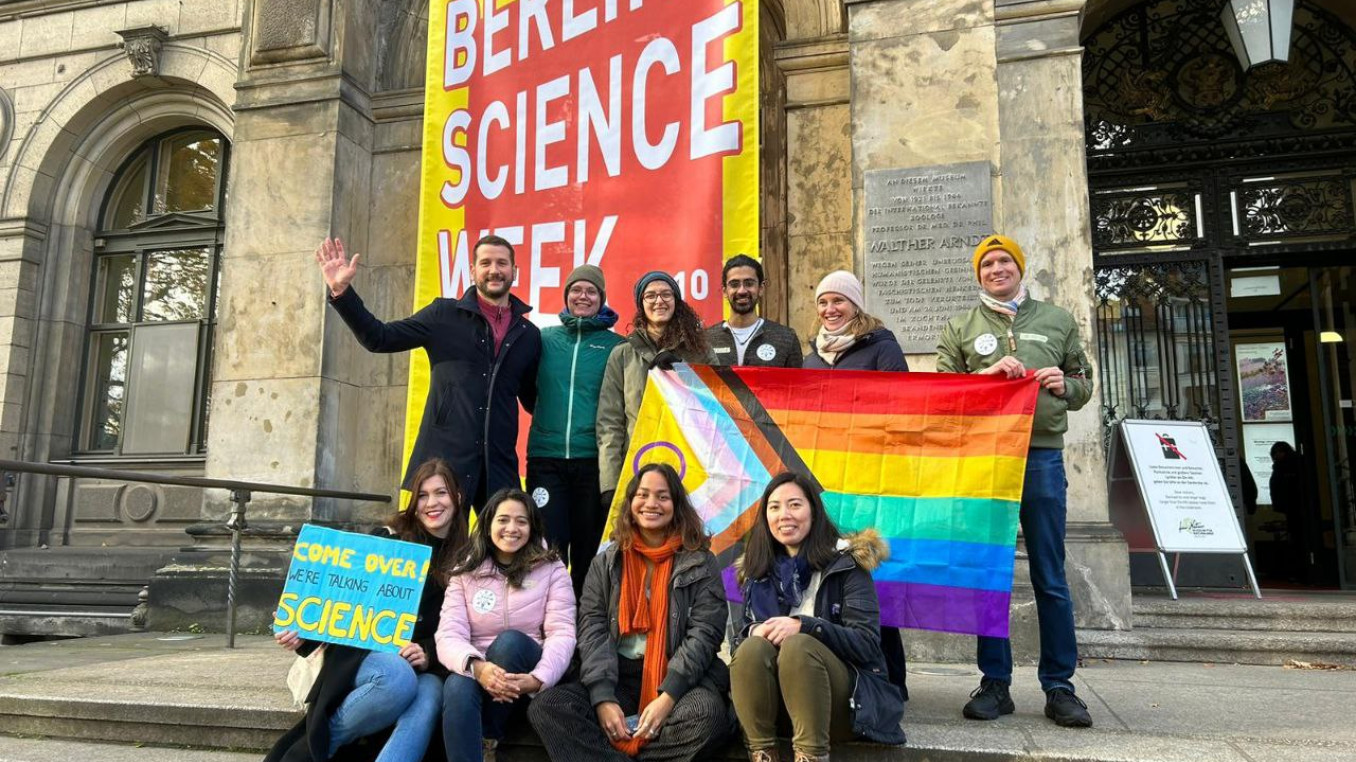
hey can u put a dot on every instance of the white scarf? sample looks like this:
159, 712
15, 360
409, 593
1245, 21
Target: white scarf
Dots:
1008, 308
830, 344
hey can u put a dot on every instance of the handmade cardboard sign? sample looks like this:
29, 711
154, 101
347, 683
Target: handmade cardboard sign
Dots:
353, 589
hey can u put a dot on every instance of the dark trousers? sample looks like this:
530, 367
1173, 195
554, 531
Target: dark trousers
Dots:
567, 722
469, 714
1044, 506
567, 493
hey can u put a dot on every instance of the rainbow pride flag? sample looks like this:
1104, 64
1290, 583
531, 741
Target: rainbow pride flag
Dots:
933, 461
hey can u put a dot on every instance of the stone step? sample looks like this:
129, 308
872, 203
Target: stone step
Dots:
48, 749
1274, 614
1213, 646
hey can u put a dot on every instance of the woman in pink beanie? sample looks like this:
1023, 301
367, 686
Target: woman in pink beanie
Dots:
846, 336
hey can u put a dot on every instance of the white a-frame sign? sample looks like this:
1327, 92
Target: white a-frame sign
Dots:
1168, 494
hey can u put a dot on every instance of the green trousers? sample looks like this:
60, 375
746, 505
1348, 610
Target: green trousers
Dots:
803, 681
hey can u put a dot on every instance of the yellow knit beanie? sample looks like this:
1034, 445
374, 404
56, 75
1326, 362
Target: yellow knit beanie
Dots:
996, 242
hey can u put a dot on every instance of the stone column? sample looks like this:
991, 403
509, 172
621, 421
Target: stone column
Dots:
286, 400
954, 81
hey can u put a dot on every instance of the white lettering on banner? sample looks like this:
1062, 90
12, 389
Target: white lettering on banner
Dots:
592, 115
461, 31
542, 276
496, 112
456, 157
534, 11
496, 21
571, 25
520, 147
545, 176
456, 260
652, 155
706, 85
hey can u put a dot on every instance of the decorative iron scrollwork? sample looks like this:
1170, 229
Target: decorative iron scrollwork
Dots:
1300, 208
1150, 218
1169, 63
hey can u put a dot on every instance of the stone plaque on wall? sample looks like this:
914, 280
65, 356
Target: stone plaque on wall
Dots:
922, 224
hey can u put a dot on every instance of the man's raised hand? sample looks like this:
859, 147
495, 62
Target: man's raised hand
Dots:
337, 269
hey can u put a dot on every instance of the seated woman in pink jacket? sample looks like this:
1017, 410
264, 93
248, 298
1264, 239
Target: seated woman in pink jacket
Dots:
507, 627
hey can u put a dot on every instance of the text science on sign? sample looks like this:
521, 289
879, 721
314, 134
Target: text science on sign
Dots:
353, 589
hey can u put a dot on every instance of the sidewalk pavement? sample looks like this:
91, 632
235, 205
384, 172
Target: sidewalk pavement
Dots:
189, 690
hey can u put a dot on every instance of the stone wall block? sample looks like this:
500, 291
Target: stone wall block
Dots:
46, 35
11, 36
38, 71
270, 323
110, 72
386, 292
290, 30
923, 100
161, 13
272, 210
183, 62
819, 176
875, 20
313, 121
98, 26
264, 430
208, 15
393, 227
811, 258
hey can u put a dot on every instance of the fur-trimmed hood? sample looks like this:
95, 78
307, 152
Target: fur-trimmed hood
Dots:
866, 547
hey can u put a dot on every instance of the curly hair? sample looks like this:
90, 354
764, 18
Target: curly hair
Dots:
684, 334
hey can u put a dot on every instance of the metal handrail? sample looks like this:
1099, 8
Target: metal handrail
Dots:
241, 492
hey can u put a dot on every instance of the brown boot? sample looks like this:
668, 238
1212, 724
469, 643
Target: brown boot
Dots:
764, 755
805, 756
489, 749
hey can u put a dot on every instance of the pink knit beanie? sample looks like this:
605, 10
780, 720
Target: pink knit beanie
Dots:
841, 282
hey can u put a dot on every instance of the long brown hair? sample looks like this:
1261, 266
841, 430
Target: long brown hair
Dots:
534, 553
761, 549
686, 522
683, 334
409, 528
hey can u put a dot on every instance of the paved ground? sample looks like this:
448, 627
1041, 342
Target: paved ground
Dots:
1143, 711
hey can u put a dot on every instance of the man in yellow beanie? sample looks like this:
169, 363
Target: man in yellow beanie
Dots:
1007, 334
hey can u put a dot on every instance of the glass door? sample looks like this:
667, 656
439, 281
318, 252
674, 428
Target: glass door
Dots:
1334, 290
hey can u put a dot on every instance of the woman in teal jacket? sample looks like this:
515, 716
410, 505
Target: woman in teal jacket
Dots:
562, 448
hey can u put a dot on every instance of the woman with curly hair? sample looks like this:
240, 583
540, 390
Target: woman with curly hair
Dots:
651, 685
665, 330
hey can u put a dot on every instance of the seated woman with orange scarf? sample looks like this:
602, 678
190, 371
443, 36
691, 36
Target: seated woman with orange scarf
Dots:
651, 620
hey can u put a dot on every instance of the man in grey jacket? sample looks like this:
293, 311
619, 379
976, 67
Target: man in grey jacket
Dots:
746, 338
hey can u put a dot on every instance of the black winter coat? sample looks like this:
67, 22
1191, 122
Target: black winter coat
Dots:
697, 625
471, 416
877, 350
847, 620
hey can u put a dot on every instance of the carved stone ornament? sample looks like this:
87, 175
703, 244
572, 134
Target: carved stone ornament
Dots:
142, 46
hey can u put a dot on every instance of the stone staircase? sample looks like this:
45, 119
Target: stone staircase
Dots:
72, 591
1234, 628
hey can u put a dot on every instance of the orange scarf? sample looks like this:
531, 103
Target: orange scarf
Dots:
638, 615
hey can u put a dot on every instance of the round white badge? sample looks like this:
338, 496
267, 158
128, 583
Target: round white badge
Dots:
766, 352
541, 497
484, 601
986, 344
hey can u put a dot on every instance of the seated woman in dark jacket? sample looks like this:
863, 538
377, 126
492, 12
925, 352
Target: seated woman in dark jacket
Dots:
810, 640
362, 693
650, 623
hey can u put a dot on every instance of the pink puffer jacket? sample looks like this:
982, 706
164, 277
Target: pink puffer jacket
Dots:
480, 604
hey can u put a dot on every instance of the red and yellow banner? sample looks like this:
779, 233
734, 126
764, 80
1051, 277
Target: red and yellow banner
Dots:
620, 133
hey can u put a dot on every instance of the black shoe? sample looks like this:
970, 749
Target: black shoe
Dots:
988, 701
1066, 709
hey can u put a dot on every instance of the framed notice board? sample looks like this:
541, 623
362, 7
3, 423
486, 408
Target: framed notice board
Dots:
1168, 494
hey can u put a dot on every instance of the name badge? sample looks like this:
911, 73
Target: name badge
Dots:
723, 350
1032, 337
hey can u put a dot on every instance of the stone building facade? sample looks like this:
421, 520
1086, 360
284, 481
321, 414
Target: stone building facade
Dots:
168, 166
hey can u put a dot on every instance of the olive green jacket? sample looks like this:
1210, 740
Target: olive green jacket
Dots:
1040, 336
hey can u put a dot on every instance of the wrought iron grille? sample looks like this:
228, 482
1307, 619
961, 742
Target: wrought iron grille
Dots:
1164, 72
1157, 343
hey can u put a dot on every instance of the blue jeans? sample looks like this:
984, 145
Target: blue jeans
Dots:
1044, 506
386, 692
469, 716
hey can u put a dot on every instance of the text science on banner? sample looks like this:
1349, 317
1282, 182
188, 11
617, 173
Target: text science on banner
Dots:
353, 589
583, 127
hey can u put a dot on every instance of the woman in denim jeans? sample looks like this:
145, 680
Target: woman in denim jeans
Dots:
361, 695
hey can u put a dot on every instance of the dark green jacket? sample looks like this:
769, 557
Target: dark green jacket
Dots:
569, 377
1041, 336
